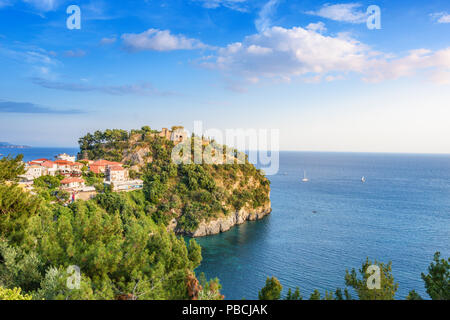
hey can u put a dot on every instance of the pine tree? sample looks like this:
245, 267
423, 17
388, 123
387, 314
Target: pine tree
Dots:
437, 281
271, 291
387, 289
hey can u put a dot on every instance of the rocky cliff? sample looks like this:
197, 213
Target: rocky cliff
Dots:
225, 223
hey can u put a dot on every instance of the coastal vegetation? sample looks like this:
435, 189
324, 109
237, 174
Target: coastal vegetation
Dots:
122, 246
121, 251
185, 193
436, 281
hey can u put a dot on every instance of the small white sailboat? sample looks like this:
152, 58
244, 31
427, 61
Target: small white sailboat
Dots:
305, 179
363, 179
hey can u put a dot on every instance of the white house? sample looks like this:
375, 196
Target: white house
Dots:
66, 157
116, 174
72, 183
34, 171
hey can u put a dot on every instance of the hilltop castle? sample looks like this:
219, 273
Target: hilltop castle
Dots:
177, 134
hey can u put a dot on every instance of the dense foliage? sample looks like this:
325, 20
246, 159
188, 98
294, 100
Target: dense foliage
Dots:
271, 291
120, 250
13, 294
189, 193
437, 284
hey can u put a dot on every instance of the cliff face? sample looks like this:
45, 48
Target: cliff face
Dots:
223, 224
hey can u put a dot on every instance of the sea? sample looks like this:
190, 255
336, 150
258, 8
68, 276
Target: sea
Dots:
38, 153
321, 228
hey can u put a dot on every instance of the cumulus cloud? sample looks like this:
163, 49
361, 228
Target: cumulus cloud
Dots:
159, 40
281, 54
145, 89
319, 27
441, 17
346, 12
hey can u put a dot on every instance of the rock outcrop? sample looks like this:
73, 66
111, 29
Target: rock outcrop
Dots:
223, 224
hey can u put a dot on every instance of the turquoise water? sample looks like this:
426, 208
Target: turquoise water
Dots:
401, 214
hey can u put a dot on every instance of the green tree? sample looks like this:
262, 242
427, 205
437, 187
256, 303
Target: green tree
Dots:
387, 289
19, 268
315, 295
413, 295
271, 291
16, 207
54, 287
13, 294
11, 168
294, 296
437, 281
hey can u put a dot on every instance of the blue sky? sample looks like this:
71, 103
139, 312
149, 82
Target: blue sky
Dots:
312, 69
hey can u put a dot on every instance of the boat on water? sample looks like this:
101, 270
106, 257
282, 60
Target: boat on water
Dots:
363, 179
305, 179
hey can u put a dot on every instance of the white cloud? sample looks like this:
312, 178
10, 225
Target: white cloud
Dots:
44, 5
106, 41
319, 27
285, 53
281, 54
346, 12
159, 40
441, 17
265, 15
238, 5
436, 64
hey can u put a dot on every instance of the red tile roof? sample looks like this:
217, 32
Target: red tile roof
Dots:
116, 168
95, 169
106, 163
48, 164
63, 162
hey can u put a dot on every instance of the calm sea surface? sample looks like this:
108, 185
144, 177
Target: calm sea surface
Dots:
36, 153
319, 229
401, 214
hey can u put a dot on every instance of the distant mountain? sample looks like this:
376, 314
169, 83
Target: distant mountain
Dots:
7, 145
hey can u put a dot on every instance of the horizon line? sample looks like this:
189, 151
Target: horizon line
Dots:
284, 150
